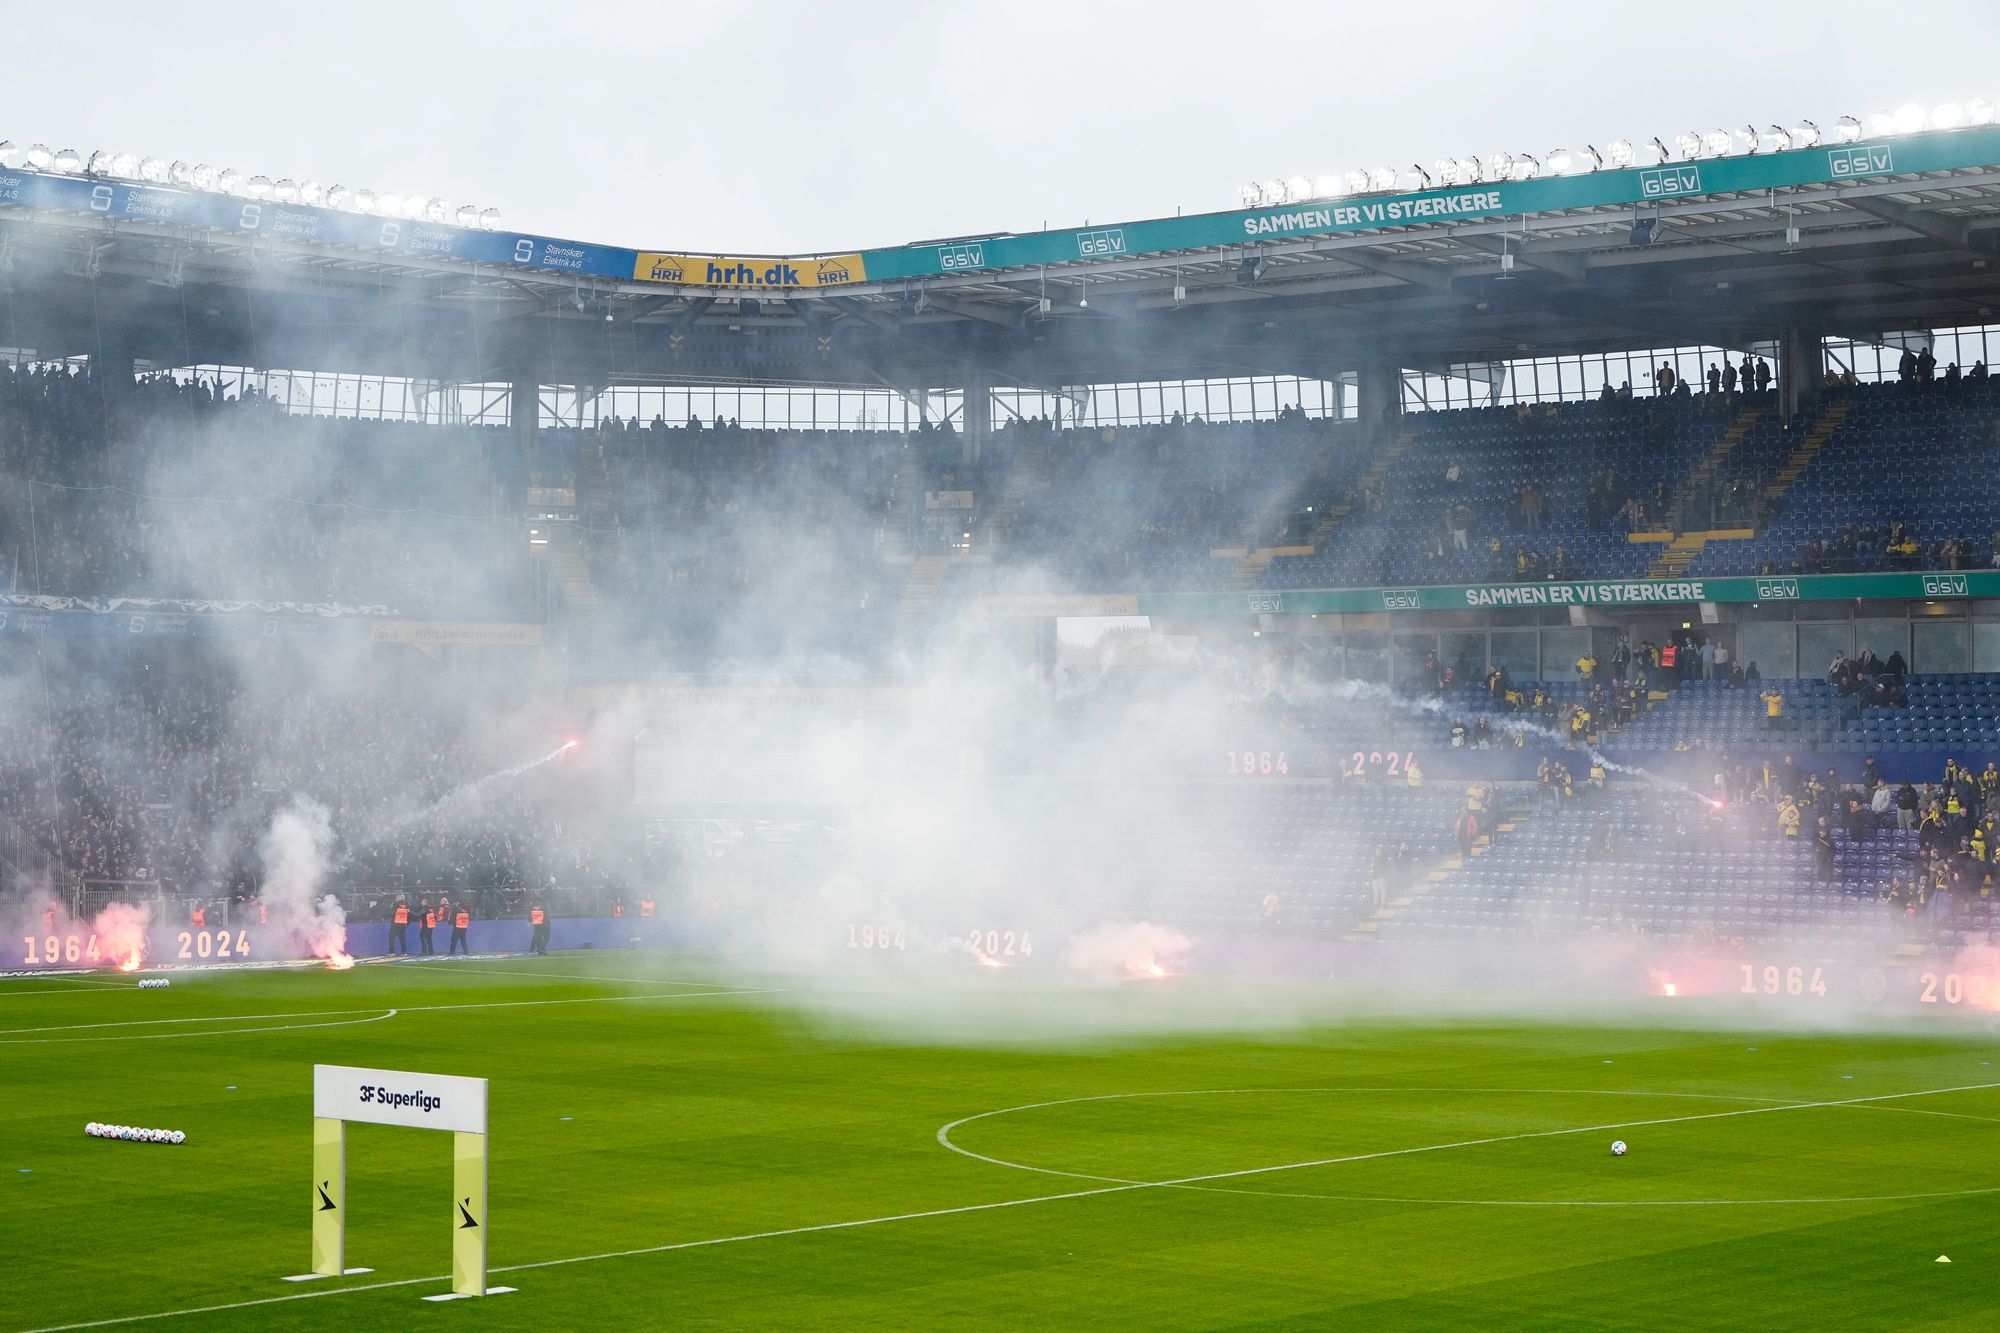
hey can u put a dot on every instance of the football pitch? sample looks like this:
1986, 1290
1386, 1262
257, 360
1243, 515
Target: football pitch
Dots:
673, 1150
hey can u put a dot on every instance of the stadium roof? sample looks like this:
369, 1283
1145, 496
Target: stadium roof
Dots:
1861, 240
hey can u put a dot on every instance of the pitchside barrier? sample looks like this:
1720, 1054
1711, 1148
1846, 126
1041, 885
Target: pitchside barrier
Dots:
341, 1094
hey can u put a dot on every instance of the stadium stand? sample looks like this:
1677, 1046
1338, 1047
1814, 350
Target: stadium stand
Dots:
178, 492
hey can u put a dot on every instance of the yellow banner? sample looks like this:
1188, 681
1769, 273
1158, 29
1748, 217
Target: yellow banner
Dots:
768, 275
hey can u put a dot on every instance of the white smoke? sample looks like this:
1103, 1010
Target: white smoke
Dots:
297, 852
1114, 952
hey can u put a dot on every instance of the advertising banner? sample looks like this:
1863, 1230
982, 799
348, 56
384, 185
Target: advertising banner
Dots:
1899, 586
756, 274
396, 1097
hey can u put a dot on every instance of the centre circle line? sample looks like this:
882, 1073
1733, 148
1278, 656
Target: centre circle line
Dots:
1198, 1182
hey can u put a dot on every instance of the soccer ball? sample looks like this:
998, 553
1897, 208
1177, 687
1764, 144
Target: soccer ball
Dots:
1618, 1148
180, 1136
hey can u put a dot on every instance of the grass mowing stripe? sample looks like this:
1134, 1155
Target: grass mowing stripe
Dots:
407, 1009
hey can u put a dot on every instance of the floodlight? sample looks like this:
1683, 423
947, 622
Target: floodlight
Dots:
1559, 161
100, 163
1250, 194
1805, 134
1778, 138
286, 191
1526, 168
1748, 134
68, 161
1419, 178
125, 166
1620, 153
1592, 159
1500, 166
489, 218
1849, 129
1274, 191
39, 156
1327, 186
339, 196
258, 187
1470, 172
1660, 153
229, 180
153, 169
313, 193
1717, 142
1689, 144
1297, 188
1979, 111
181, 172
1881, 123
467, 216
366, 201
1357, 182
1383, 178
436, 210
1909, 118
389, 205
414, 206
1948, 117
203, 177
10, 156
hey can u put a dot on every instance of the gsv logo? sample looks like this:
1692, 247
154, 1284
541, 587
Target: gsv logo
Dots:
1091, 244
1777, 590
1267, 601
1663, 182
1860, 160
1401, 599
952, 258
1944, 585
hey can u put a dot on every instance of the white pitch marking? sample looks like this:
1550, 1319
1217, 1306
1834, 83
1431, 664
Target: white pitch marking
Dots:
944, 1138
1004, 1203
9, 993
319, 1277
468, 1296
204, 1032
407, 1009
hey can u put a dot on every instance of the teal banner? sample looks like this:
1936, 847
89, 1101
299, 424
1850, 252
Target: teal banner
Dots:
1951, 150
1632, 593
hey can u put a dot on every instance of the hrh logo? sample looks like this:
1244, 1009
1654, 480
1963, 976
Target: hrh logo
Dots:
666, 268
1944, 585
1777, 590
832, 272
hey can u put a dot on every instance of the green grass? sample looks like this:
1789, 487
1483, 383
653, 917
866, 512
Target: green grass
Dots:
661, 1116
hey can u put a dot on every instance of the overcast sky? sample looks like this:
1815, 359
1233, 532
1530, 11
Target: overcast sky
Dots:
786, 127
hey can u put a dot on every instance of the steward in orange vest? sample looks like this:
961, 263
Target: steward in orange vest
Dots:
426, 926
399, 930
198, 917
646, 905
538, 917
459, 924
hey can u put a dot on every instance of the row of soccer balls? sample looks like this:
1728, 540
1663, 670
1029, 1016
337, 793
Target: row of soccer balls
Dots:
134, 1134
